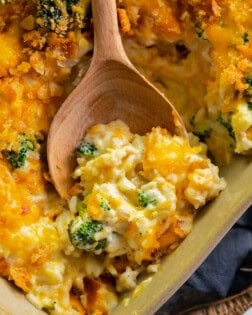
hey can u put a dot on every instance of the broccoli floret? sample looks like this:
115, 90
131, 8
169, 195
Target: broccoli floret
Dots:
87, 150
82, 230
17, 158
69, 5
144, 199
250, 105
49, 13
245, 37
80, 20
249, 81
105, 205
203, 133
199, 29
61, 15
228, 125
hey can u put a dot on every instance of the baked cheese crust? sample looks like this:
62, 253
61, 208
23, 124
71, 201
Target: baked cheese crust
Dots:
199, 53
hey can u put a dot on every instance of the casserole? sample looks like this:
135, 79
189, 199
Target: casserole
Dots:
189, 50
213, 222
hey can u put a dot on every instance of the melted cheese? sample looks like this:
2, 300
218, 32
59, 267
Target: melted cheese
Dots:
199, 54
142, 180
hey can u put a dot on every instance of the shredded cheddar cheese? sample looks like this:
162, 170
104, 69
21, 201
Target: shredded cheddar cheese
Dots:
138, 195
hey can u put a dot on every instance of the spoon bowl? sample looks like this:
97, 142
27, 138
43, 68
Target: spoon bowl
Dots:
111, 89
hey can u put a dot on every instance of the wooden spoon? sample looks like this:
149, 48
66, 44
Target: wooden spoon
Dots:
111, 89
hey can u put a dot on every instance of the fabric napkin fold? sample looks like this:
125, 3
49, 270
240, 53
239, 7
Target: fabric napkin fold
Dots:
218, 271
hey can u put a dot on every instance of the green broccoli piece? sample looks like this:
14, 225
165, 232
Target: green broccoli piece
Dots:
17, 158
245, 37
80, 20
144, 199
250, 105
70, 4
49, 12
203, 133
249, 81
61, 15
199, 29
87, 150
105, 205
82, 230
228, 125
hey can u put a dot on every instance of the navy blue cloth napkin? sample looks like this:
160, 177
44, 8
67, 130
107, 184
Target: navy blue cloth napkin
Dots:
218, 271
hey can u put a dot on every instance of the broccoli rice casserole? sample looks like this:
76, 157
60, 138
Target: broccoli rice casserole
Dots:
135, 196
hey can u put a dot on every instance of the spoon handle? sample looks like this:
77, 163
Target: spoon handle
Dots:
107, 40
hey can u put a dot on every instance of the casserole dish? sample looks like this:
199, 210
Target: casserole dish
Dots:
190, 51
211, 224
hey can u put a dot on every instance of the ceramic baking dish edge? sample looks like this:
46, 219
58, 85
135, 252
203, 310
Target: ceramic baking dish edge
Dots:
211, 224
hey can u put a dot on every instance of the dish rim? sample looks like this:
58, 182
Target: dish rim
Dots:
159, 290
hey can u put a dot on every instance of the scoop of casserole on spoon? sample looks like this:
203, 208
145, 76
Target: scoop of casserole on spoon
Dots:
111, 89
